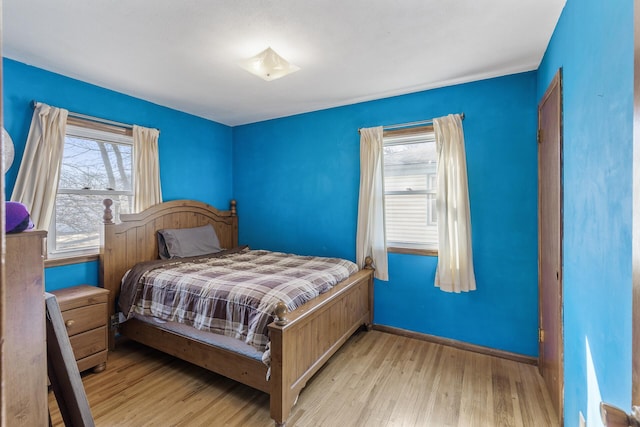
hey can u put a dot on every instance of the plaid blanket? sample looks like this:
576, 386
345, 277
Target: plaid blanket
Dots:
232, 293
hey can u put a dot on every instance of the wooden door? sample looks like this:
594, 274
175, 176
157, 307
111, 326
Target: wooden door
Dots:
550, 241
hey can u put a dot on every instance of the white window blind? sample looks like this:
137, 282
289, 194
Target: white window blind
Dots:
410, 162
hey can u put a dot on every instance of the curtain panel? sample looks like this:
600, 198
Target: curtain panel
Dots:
370, 238
455, 256
37, 182
146, 165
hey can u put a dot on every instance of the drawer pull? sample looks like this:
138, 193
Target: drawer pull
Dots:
69, 323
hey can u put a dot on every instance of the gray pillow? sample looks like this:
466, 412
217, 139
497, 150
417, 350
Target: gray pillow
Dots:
186, 242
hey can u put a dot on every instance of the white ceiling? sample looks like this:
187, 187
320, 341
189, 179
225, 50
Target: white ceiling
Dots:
184, 54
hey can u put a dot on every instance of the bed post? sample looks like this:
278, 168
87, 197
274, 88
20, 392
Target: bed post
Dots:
280, 398
106, 281
280, 314
368, 265
107, 217
234, 217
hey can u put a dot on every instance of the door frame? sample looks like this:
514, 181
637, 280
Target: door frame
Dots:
556, 84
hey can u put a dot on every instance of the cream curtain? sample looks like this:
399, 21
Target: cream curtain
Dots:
37, 181
370, 238
455, 258
146, 165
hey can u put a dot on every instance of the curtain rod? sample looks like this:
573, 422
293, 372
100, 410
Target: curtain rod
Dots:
412, 124
34, 104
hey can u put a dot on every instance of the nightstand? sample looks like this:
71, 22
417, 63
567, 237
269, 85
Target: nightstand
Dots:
84, 311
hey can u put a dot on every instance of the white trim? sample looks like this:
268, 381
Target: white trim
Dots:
85, 133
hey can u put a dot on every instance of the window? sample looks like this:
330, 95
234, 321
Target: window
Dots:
410, 162
96, 164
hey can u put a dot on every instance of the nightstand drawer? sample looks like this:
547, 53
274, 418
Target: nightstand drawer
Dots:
82, 319
89, 342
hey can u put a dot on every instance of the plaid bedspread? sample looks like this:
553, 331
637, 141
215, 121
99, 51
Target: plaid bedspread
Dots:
233, 293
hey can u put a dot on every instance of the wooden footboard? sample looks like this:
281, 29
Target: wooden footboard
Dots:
309, 336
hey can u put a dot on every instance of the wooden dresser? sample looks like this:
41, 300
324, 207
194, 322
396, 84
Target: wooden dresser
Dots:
84, 310
25, 352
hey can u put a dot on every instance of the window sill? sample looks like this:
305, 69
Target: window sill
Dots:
79, 259
413, 251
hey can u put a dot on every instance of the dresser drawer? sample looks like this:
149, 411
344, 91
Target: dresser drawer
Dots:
89, 342
82, 319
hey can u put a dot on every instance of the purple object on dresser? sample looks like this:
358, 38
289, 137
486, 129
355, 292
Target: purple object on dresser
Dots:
17, 218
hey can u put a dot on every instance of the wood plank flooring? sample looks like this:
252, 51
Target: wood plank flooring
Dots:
376, 379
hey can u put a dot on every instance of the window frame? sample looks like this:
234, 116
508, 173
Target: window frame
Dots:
408, 248
111, 134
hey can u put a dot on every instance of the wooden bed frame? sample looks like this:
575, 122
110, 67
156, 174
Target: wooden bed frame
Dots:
301, 341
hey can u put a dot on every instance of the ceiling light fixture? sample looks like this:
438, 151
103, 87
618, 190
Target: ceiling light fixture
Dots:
268, 65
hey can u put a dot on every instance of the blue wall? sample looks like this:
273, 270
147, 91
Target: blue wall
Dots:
593, 43
296, 181
195, 154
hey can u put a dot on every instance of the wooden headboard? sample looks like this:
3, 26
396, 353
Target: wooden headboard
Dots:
134, 239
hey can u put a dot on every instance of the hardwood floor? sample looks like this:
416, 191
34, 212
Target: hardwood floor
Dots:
376, 379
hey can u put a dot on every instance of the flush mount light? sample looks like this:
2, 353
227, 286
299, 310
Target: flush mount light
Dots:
268, 65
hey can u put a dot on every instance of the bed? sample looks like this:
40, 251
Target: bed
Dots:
301, 341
